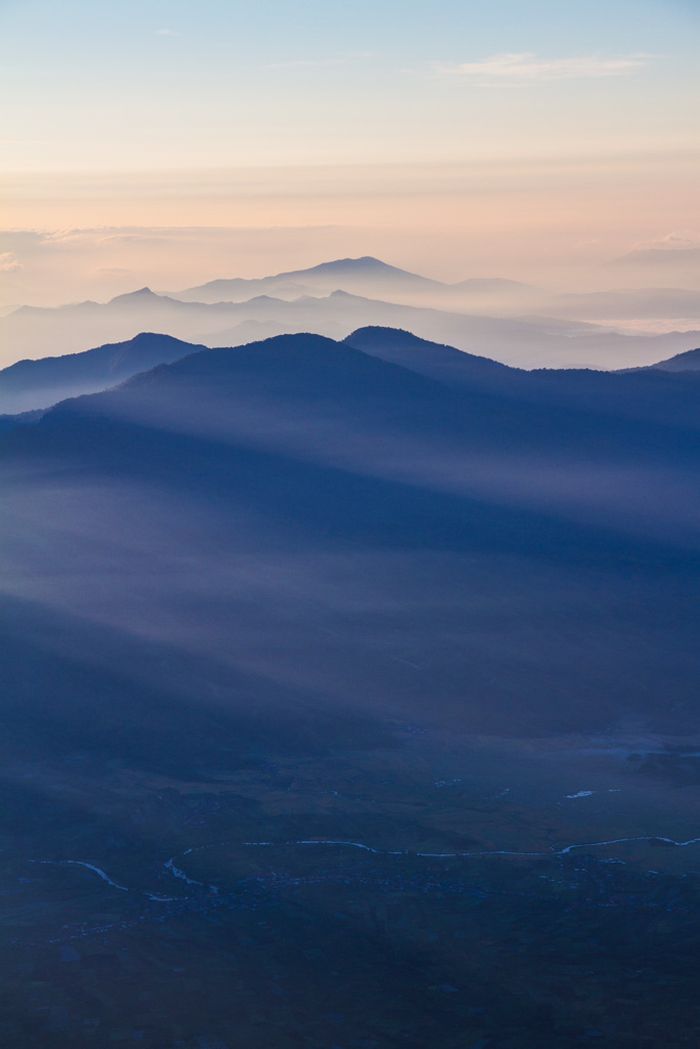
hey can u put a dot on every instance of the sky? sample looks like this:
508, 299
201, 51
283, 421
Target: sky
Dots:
461, 138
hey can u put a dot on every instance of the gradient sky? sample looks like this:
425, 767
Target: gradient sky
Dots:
535, 118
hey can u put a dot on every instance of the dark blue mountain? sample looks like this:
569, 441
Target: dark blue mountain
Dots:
310, 453
642, 393
446, 364
33, 384
681, 362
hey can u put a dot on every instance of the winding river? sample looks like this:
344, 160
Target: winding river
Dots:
181, 875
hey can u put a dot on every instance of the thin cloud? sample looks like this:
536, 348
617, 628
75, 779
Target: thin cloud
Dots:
9, 262
671, 242
526, 67
668, 251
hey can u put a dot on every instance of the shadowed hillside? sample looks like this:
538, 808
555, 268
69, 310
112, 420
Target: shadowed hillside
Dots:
336, 667
29, 385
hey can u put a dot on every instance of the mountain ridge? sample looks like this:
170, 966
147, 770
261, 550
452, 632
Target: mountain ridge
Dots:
29, 384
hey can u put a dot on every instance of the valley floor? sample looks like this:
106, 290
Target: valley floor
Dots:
453, 892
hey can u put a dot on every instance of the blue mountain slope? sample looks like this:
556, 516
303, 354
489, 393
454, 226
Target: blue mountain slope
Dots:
681, 362
29, 384
302, 498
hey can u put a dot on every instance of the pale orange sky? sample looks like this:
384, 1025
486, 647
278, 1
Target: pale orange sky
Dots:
524, 138
561, 223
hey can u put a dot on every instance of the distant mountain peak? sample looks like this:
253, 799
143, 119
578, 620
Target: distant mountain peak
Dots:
364, 265
360, 274
361, 262
140, 294
339, 293
149, 338
348, 263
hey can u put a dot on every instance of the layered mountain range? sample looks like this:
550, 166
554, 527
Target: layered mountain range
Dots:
513, 323
32, 385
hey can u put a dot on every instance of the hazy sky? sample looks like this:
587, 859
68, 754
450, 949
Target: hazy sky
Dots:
472, 135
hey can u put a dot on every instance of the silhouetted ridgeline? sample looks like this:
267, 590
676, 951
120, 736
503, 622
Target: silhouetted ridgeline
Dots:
510, 322
31, 384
